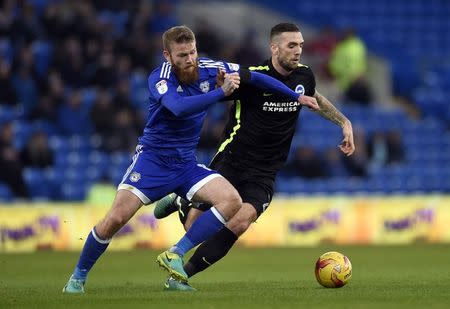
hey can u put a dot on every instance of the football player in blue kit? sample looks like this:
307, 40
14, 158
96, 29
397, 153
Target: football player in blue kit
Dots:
181, 90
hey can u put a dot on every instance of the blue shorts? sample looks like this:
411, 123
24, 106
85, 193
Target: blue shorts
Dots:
151, 177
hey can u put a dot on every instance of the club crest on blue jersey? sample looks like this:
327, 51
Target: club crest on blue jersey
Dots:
204, 86
300, 89
135, 176
161, 86
233, 66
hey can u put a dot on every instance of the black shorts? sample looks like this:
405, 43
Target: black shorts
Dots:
254, 187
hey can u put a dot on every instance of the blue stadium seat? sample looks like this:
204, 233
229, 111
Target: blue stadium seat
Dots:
6, 194
6, 50
116, 174
101, 160
37, 184
73, 191
42, 53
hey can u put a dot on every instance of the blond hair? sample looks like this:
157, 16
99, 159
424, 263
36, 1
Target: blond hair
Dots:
178, 34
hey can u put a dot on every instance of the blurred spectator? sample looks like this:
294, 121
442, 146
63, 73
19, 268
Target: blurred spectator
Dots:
55, 88
335, 166
10, 164
348, 65
357, 164
18, 22
247, 53
124, 69
141, 50
37, 152
377, 150
385, 148
26, 88
306, 163
124, 132
7, 93
24, 78
71, 63
164, 16
73, 116
46, 109
208, 43
91, 53
105, 73
320, 48
28, 24
101, 114
7, 17
113, 5
396, 150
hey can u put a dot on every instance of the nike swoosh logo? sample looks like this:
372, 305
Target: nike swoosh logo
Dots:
267, 94
168, 258
166, 285
204, 260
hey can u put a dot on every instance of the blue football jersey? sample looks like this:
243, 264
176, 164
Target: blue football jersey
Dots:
166, 134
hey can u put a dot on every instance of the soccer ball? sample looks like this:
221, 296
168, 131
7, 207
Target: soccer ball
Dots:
333, 270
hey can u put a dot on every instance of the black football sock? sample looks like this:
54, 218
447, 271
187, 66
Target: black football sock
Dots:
210, 251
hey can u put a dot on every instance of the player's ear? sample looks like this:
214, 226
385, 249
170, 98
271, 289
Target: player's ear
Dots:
166, 55
274, 48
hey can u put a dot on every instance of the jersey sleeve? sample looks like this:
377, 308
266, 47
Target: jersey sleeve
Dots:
163, 90
159, 86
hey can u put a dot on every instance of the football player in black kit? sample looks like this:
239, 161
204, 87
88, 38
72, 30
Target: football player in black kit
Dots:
257, 140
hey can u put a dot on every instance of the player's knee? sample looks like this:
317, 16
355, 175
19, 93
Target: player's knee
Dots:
243, 219
239, 224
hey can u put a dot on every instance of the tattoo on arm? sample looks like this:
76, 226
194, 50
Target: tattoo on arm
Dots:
329, 111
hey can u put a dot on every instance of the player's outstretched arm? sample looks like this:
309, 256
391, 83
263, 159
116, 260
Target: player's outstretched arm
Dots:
329, 111
266, 82
183, 106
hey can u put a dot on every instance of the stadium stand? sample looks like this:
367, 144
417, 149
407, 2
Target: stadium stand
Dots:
38, 63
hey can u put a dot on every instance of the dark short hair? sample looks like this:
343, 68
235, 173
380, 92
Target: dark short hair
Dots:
178, 34
283, 27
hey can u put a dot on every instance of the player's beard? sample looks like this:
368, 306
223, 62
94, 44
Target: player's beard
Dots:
188, 75
287, 65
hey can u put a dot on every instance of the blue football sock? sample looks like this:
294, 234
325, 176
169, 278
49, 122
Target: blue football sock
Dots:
208, 224
92, 250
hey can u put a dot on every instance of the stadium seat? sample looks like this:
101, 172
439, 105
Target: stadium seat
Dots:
6, 195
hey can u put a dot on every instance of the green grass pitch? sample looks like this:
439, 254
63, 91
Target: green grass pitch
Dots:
383, 277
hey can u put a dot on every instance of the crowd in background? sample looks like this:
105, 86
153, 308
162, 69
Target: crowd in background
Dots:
75, 68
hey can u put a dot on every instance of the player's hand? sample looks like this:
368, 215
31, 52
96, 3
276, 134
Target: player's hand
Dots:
220, 79
231, 83
310, 102
347, 146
